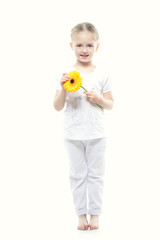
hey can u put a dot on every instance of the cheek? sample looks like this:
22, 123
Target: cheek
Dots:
90, 51
93, 51
77, 52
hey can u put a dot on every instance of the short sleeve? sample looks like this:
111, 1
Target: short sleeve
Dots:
106, 84
57, 82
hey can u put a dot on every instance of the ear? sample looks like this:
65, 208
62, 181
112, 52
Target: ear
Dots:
71, 45
97, 46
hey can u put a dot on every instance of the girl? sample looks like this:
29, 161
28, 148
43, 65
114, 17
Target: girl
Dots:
84, 135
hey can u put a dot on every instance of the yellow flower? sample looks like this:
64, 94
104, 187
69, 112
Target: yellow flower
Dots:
73, 84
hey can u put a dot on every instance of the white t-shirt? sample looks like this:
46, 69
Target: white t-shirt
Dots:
84, 120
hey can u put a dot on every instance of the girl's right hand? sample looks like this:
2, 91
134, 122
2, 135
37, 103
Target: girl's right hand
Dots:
64, 78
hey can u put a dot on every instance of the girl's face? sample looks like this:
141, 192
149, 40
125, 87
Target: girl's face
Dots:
84, 45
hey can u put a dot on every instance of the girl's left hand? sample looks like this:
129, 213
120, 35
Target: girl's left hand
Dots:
92, 96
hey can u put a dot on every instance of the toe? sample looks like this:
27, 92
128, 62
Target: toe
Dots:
91, 228
80, 228
95, 227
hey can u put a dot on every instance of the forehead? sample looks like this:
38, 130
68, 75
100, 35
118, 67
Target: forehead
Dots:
84, 37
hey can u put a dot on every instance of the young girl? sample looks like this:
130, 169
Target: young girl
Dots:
84, 134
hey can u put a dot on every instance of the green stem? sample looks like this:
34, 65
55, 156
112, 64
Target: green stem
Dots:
83, 88
96, 103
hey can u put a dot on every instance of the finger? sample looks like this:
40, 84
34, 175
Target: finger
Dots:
67, 77
64, 74
90, 92
63, 81
87, 93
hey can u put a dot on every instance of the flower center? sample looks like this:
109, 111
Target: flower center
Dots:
72, 81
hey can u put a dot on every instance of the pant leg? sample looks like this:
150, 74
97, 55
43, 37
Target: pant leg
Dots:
95, 155
77, 174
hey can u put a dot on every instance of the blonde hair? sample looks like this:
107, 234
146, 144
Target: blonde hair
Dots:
85, 26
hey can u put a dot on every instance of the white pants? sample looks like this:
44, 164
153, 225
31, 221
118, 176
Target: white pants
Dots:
87, 164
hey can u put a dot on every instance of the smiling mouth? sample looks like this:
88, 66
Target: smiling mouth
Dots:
84, 55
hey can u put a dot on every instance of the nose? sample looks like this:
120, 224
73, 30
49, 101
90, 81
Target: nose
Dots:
84, 50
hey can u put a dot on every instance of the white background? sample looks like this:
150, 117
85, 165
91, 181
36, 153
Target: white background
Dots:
36, 201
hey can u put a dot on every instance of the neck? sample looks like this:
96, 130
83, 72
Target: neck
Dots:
83, 64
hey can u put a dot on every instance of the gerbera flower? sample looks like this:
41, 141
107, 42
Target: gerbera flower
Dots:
73, 84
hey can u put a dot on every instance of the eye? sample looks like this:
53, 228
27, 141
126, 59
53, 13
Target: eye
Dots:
90, 45
78, 45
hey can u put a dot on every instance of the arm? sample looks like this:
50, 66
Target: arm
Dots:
59, 99
106, 101
60, 96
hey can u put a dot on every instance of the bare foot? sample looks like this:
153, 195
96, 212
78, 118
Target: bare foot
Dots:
94, 222
83, 223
